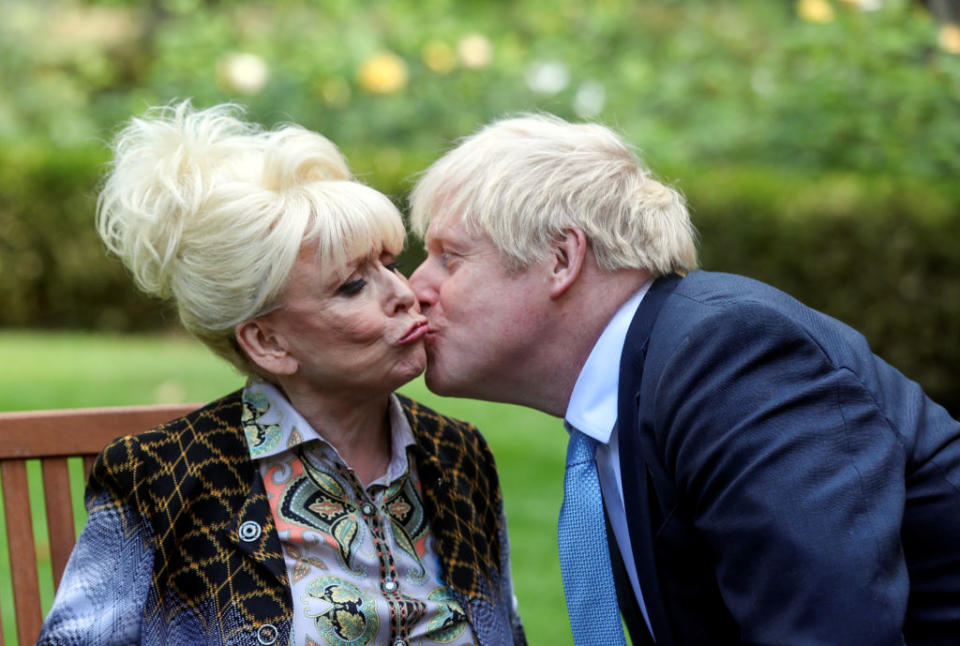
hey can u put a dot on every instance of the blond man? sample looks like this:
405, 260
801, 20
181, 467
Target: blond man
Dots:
742, 469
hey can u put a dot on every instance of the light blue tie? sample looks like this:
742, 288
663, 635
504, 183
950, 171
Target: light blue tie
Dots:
584, 552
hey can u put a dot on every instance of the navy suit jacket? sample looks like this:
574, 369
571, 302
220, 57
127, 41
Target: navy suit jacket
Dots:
783, 484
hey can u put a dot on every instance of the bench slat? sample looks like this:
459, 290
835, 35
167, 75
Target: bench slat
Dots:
77, 431
60, 526
23, 560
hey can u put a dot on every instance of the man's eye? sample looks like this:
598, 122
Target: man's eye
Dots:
351, 287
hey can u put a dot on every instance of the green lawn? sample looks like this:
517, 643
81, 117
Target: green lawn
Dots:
72, 370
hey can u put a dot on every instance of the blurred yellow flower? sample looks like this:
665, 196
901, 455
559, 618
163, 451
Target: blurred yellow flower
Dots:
383, 73
475, 51
439, 56
949, 38
815, 10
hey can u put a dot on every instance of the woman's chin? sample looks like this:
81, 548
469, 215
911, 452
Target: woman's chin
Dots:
412, 366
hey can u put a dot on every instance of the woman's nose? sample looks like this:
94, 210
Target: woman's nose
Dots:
402, 296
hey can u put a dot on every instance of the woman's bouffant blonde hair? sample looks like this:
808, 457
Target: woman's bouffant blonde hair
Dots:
522, 181
212, 211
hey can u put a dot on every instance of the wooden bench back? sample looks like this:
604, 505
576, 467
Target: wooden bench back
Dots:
52, 436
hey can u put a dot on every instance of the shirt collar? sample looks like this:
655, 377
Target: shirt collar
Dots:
272, 425
593, 403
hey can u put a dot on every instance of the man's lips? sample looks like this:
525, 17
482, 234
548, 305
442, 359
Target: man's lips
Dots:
416, 331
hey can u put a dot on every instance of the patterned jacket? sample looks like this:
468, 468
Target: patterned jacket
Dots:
180, 546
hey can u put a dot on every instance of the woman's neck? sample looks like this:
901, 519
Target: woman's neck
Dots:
358, 428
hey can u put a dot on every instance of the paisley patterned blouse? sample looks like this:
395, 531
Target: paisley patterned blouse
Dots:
361, 560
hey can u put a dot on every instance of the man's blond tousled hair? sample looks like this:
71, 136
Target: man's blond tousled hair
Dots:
212, 211
523, 181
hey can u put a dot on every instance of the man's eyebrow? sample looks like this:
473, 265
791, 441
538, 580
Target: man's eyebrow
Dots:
454, 246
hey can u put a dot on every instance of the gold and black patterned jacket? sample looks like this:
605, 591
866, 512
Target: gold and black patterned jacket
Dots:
180, 547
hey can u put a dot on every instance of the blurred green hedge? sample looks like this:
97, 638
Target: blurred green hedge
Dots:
54, 271
880, 254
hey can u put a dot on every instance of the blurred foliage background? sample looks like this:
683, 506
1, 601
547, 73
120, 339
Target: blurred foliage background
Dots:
818, 141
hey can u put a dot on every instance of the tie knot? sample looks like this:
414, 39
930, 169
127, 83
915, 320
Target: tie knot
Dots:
582, 448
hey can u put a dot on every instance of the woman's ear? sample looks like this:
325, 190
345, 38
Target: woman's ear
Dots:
566, 261
264, 347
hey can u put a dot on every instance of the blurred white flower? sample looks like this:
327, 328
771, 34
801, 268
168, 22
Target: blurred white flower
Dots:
590, 99
547, 77
243, 73
866, 5
475, 51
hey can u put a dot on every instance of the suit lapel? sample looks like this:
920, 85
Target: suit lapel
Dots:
636, 491
626, 599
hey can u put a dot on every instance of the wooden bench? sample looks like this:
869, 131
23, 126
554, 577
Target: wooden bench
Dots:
52, 436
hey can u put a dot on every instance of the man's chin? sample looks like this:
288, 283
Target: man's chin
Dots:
442, 383
435, 381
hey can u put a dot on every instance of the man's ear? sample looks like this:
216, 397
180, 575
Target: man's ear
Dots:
568, 253
264, 347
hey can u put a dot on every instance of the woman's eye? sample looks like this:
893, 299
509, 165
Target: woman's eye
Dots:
393, 265
352, 287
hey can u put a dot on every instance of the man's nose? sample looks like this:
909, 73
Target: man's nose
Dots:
422, 285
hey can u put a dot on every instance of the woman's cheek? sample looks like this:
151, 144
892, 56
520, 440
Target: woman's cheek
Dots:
362, 329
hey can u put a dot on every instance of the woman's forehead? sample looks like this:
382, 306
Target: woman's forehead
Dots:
348, 256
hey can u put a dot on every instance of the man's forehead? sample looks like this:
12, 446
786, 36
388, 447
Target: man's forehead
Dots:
448, 228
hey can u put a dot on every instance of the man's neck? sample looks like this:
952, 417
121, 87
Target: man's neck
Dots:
585, 312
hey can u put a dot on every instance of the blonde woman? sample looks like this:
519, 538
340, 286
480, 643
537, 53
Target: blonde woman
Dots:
314, 505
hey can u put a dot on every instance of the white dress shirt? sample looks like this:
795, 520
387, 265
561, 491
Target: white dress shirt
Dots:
593, 411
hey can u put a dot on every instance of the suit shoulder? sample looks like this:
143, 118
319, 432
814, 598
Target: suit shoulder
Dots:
719, 289
714, 302
713, 319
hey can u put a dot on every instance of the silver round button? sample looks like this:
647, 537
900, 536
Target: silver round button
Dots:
367, 508
249, 532
390, 586
267, 634
399, 642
